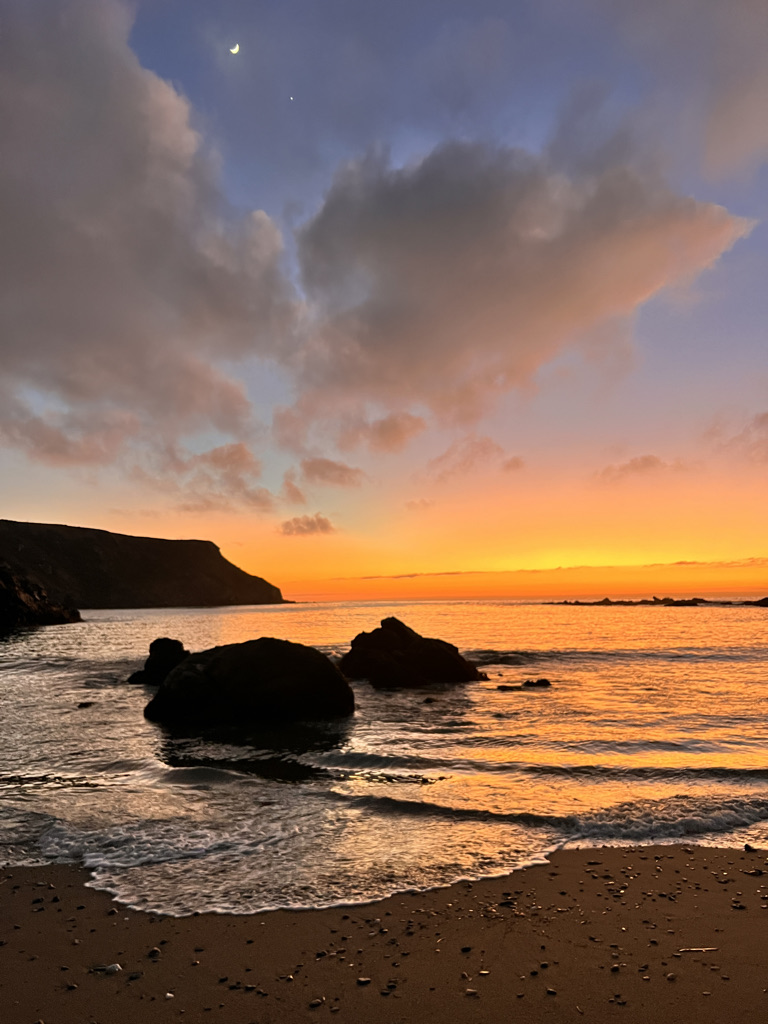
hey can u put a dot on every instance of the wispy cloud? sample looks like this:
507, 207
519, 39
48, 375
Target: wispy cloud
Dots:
753, 439
387, 434
327, 471
470, 454
639, 466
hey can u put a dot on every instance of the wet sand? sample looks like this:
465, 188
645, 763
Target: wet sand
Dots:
644, 935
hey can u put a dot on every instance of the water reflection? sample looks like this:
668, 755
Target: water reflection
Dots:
272, 752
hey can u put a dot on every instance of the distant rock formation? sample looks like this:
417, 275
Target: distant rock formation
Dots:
164, 655
24, 603
84, 568
249, 684
661, 602
394, 656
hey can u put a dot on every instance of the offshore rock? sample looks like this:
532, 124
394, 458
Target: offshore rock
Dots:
25, 603
248, 684
394, 656
164, 655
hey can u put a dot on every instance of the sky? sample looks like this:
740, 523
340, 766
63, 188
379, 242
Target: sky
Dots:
426, 299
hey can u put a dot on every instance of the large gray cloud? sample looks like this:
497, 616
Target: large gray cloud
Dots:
453, 279
124, 278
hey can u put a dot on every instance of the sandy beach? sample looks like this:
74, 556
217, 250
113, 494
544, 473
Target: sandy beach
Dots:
663, 934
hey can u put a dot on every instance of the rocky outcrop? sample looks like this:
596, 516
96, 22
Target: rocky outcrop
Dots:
248, 684
164, 655
24, 603
394, 656
83, 568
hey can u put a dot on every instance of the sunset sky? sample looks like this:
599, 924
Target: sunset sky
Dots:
457, 298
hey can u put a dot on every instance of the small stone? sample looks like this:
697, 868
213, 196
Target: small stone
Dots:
671, 977
154, 953
551, 992
470, 992
169, 995
466, 949
314, 1003
363, 981
112, 968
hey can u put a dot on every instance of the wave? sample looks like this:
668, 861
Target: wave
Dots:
669, 818
488, 656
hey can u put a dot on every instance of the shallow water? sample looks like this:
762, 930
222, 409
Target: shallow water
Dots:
654, 729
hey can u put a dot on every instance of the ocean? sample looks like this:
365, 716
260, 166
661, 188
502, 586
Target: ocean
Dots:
654, 729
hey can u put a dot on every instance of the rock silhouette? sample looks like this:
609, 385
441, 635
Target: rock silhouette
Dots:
394, 656
251, 683
164, 655
25, 603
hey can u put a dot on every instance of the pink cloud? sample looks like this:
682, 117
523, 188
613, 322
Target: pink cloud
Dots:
305, 526
327, 471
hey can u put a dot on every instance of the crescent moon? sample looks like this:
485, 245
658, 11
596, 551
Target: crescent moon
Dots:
235, 48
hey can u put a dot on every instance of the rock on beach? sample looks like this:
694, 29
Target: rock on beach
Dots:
251, 683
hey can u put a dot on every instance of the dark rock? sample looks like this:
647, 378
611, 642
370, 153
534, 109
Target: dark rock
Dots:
537, 682
86, 704
164, 655
394, 656
24, 602
249, 683
84, 568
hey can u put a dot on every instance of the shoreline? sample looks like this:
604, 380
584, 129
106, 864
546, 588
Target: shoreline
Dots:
668, 933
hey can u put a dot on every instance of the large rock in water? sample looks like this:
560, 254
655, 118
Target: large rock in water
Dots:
248, 684
396, 656
25, 603
164, 655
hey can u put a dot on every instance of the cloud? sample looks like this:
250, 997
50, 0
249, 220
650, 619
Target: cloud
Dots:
304, 526
753, 439
640, 465
326, 471
126, 280
291, 492
224, 478
512, 464
467, 455
388, 434
419, 504
453, 279
710, 61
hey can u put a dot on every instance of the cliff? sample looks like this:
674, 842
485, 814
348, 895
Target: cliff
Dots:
83, 568
24, 603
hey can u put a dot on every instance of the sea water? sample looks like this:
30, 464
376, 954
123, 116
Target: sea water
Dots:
654, 729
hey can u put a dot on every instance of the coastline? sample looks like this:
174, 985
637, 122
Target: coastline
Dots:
661, 933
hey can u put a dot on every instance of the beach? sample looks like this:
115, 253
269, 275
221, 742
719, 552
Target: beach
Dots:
648, 933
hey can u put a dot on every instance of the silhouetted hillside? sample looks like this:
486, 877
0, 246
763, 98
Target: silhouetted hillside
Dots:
84, 568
